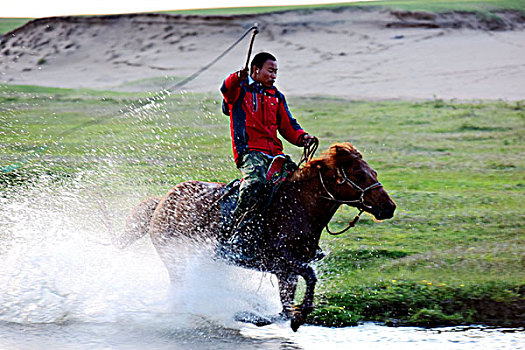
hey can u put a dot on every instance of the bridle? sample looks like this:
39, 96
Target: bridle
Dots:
349, 182
361, 200
308, 152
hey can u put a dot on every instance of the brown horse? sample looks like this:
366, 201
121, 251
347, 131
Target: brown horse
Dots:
295, 219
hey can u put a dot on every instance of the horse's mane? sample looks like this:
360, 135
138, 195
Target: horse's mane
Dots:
328, 159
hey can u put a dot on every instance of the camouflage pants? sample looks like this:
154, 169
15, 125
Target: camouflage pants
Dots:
254, 167
241, 233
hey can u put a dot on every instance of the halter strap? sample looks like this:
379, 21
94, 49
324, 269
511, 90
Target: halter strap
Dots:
361, 199
351, 183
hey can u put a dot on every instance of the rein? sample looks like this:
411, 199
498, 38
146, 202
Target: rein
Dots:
308, 151
361, 200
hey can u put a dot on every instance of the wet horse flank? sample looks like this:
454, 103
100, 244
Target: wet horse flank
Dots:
300, 210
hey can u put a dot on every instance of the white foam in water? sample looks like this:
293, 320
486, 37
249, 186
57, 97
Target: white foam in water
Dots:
60, 267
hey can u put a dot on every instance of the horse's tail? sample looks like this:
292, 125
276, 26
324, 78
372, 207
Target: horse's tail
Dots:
138, 223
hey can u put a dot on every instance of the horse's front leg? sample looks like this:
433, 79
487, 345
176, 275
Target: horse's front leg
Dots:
307, 306
307, 272
287, 288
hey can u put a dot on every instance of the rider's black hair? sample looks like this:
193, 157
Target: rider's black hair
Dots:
259, 60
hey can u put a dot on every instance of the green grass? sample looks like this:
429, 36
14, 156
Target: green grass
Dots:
407, 5
453, 253
444, 6
8, 24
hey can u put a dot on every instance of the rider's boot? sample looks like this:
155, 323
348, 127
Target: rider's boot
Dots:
245, 236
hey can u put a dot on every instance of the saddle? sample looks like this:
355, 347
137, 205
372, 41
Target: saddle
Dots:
243, 249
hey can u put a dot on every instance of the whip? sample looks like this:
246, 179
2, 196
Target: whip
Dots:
20, 164
252, 39
216, 59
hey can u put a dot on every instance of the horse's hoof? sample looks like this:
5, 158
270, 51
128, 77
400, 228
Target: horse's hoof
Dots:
299, 315
253, 318
297, 321
295, 324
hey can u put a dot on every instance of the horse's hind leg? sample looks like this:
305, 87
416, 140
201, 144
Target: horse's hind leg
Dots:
174, 255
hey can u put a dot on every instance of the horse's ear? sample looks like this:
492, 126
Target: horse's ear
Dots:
341, 150
345, 152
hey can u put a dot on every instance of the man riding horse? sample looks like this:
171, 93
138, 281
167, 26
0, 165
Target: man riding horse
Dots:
191, 213
257, 112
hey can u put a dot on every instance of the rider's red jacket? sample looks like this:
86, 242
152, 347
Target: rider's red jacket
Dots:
256, 114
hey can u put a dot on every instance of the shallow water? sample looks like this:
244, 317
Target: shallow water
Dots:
64, 286
207, 335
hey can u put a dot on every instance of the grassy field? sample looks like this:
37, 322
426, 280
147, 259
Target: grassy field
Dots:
454, 253
485, 7
8, 24
406, 5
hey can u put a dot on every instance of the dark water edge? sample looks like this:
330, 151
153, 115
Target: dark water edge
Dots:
408, 303
488, 313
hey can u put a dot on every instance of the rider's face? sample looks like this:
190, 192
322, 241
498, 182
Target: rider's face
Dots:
267, 74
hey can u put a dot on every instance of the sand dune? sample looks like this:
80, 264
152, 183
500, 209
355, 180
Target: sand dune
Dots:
351, 53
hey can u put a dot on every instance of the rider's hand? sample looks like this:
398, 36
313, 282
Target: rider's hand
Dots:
243, 73
307, 139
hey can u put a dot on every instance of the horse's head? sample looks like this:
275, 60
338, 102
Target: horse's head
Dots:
350, 180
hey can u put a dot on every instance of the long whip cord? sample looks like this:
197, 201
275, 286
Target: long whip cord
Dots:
39, 150
216, 59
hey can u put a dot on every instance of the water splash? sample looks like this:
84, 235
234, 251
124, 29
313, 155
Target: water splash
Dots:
60, 267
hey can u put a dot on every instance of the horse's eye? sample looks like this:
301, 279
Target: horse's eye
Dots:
358, 173
357, 168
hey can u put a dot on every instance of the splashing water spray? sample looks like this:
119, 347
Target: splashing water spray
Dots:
59, 265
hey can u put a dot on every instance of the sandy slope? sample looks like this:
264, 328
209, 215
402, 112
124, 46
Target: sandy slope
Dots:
346, 52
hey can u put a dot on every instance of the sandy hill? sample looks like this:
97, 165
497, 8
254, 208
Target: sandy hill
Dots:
348, 52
